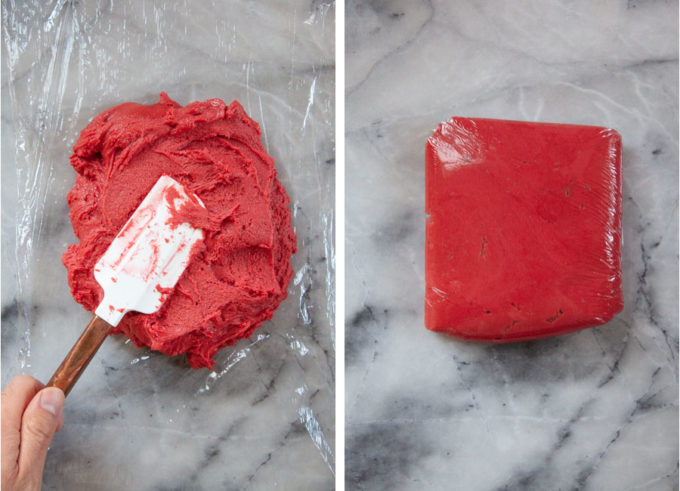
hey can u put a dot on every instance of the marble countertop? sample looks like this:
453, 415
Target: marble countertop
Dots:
593, 410
264, 418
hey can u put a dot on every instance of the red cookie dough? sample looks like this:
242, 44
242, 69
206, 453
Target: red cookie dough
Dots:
523, 237
240, 273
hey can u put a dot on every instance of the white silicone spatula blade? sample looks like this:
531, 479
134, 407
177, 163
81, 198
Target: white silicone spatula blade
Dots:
148, 256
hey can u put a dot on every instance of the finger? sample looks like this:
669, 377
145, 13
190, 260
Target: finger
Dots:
60, 425
16, 396
38, 426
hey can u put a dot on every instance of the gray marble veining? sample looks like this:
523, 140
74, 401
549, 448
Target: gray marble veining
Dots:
264, 418
594, 410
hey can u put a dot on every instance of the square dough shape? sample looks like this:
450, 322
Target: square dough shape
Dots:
523, 235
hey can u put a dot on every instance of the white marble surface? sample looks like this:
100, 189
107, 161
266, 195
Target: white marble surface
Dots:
594, 410
136, 419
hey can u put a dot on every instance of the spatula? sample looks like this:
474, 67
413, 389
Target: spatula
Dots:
143, 262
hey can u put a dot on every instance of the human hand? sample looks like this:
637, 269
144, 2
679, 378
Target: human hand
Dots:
30, 417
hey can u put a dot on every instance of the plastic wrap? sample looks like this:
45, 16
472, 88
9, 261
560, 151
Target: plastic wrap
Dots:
138, 419
524, 229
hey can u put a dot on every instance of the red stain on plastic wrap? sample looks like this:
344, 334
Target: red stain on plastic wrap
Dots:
239, 273
523, 235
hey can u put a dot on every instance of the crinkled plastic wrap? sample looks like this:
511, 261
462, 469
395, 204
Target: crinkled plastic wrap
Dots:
523, 237
137, 419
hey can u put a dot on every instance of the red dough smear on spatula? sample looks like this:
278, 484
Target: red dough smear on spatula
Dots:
523, 236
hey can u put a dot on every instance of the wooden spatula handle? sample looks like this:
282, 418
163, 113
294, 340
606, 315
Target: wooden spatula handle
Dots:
80, 355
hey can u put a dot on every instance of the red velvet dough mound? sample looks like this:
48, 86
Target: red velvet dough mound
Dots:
239, 275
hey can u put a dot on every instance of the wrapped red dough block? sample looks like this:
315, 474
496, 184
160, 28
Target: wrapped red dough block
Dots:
523, 233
